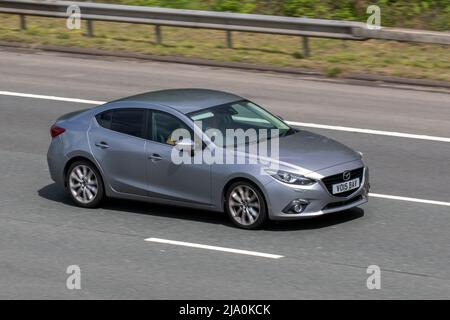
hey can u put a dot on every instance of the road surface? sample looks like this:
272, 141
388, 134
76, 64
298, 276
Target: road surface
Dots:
42, 233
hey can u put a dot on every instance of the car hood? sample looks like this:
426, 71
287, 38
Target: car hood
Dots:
313, 152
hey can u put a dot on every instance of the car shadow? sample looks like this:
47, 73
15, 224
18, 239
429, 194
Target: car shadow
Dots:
54, 193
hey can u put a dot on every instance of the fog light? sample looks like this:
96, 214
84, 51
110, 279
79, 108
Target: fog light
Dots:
296, 206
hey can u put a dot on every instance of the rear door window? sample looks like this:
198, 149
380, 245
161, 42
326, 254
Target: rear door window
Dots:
104, 119
126, 121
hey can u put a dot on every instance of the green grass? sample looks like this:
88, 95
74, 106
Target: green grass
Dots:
333, 57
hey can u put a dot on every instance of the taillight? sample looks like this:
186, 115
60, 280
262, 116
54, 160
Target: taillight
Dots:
56, 131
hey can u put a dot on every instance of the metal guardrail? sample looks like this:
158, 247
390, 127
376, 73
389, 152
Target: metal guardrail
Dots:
228, 22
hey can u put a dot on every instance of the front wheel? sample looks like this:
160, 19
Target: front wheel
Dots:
85, 184
245, 205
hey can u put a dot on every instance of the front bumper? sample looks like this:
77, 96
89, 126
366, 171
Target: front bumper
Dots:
321, 202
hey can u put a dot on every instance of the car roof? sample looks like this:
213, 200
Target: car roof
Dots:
185, 100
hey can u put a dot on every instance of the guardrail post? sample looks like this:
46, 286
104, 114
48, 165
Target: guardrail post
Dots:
306, 51
158, 34
90, 28
229, 39
23, 22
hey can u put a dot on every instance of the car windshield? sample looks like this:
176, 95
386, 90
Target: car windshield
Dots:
244, 115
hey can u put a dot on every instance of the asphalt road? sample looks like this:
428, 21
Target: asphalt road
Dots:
42, 233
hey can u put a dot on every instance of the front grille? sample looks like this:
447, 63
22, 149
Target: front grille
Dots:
337, 178
341, 203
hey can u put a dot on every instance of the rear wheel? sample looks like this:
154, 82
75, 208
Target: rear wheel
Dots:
245, 205
85, 184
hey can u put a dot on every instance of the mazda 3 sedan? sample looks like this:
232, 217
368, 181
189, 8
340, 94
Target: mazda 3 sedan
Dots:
204, 149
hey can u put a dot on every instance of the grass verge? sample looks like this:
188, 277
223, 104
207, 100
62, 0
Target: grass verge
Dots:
333, 57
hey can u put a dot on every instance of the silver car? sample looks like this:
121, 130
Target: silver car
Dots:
127, 149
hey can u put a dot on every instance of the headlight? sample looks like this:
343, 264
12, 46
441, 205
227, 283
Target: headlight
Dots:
290, 178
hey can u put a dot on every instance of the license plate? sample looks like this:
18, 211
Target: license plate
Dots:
346, 186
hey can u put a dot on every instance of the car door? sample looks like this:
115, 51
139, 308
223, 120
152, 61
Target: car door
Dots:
181, 182
117, 140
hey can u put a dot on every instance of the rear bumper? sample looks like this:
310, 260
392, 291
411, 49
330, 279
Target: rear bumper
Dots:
56, 161
320, 201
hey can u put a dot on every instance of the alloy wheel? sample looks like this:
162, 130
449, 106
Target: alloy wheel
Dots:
83, 184
244, 205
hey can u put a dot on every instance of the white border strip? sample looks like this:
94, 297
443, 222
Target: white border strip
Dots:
385, 196
202, 246
369, 131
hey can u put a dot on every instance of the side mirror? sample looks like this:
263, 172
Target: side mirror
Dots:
186, 145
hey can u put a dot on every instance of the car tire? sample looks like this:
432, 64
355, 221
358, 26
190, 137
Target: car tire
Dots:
245, 205
85, 184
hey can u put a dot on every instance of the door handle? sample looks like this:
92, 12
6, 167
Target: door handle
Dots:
102, 145
155, 157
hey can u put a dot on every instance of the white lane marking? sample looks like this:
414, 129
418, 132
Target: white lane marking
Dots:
293, 123
202, 246
385, 196
369, 131
38, 96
